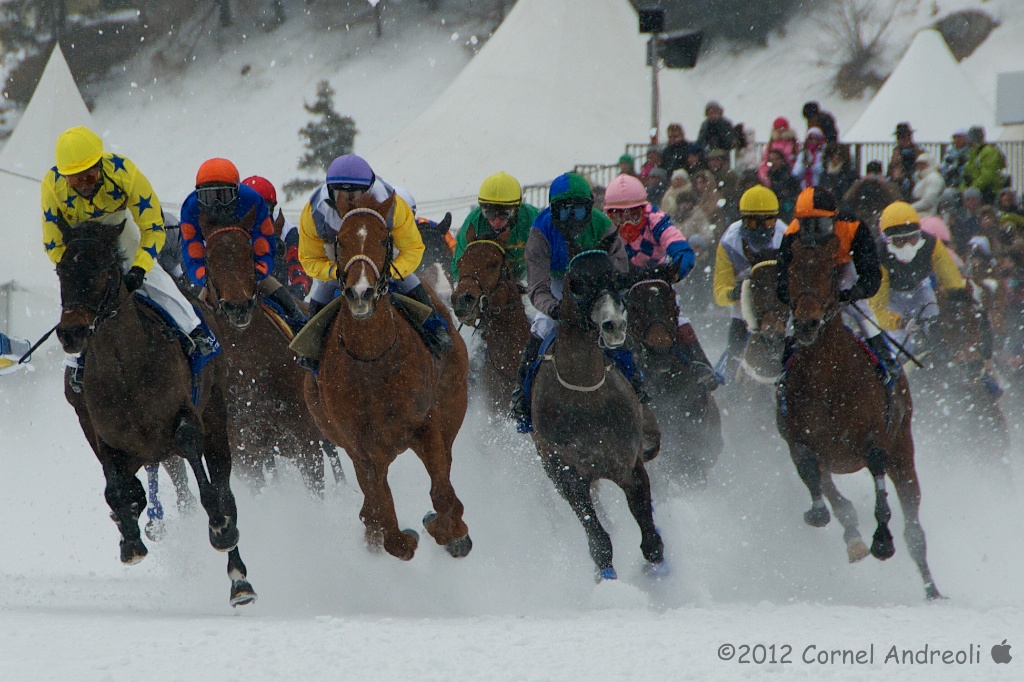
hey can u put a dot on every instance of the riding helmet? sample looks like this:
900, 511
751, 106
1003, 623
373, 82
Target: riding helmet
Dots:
217, 170
898, 217
625, 191
78, 149
815, 202
350, 173
759, 200
500, 189
263, 187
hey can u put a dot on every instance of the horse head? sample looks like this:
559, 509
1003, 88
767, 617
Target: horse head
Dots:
593, 297
230, 276
90, 280
364, 252
812, 287
484, 278
765, 315
652, 308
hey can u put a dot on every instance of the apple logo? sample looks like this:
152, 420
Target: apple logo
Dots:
1001, 653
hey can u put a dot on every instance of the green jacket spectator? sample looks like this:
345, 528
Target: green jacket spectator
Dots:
984, 167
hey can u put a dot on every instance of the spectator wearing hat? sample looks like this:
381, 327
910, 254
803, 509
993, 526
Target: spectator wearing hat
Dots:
653, 160
657, 185
678, 183
822, 120
984, 168
953, 162
904, 159
716, 132
808, 166
627, 165
783, 139
1009, 202
674, 154
928, 185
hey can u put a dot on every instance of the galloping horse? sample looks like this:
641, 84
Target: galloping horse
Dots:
137, 404
687, 415
588, 422
380, 391
837, 417
266, 410
487, 298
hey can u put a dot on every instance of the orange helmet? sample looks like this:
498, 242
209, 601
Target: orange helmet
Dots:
815, 202
217, 170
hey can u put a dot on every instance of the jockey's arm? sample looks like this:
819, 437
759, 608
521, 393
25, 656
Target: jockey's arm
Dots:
725, 278
264, 241
865, 260
408, 241
312, 253
53, 240
677, 248
945, 269
145, 208
888, 320
193, 252
538, 272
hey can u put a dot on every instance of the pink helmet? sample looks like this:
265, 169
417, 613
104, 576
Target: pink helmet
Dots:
625, 191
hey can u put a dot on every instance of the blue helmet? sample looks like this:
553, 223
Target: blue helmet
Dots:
350, 173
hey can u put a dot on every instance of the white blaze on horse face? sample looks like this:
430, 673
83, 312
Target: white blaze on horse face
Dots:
362, 238
609, 315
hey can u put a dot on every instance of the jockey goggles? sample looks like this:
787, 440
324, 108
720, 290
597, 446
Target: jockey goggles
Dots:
817, 228
491, 212
571, 210
759, 221
626, 216
903, 239
351, 192
217, 196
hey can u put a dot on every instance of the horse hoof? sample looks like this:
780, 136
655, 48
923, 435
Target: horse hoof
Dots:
932, 592
242, 593
607, 573
657, 570
881, 545
156, 530
133, 551
224, 540
856, 550
428, 517
460, 547
817, 517
411, 533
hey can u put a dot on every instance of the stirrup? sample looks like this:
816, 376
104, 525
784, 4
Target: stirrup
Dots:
75, 380
309, 364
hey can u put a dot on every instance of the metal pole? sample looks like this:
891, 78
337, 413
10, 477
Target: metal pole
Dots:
655, 95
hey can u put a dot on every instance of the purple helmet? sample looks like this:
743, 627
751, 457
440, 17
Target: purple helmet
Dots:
350, 173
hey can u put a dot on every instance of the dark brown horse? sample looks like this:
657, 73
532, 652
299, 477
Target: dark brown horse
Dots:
137, 405
687, 415
487, 298
837, 417
380, 391
266, 410
588, 422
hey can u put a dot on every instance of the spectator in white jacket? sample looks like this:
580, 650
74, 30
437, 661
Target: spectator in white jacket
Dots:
928, 185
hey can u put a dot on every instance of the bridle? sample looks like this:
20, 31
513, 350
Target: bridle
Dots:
103, 310
668, 325
209, 280
482, 305
380, 284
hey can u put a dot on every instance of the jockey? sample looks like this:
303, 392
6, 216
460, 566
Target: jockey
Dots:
287, 268
224, 201
90, 184
500, 209
14, 347
567, 227
754, 238
856, 259
651, 239
352, 176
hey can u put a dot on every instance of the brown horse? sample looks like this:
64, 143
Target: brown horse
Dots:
487, 298
837, 417
380, 391
588, 422
687, 415
266, 410
136, 405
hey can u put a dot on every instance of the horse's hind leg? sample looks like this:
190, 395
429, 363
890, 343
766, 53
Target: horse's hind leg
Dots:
241, 591
808, 467
847, 515
638, 495
576, 491
127, 498
909, 492
881, 544
447, 526
175, 467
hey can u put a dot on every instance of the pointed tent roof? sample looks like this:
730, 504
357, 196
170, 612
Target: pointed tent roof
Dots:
930, 91
56, 105
545, 53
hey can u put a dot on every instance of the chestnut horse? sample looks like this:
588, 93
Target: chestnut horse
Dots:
688, 416
136, 406
588, 422
380, 392
837, 416
266, 409
487, 298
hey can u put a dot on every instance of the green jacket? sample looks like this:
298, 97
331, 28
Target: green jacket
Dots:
516, 241
983, 169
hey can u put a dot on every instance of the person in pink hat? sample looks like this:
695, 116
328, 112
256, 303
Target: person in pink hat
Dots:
782, 139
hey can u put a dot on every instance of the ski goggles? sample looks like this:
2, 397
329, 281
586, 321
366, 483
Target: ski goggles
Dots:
573, 210
217, 196
497, 212
759, 221
625, 216
904, 239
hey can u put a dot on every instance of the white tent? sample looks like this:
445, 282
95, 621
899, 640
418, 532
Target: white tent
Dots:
545, 53
929, 90
29, 303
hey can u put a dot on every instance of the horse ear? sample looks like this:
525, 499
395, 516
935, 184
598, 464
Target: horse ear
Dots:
387, 207
668, 273
248, 219
471, 234
64, 227
279, 221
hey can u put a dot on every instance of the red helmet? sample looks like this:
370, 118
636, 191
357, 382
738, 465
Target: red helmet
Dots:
263, 187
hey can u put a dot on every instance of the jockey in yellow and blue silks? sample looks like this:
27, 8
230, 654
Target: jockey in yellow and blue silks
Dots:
224, 201
350, 176
88, 184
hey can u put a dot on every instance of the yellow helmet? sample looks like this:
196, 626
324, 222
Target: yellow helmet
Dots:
759, 200
501, 189
78, 149
899, 214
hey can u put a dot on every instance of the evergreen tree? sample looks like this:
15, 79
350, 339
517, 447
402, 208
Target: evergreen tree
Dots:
328, 136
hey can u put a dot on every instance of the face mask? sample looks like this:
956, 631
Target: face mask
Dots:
905, 253
758, 238
630, 232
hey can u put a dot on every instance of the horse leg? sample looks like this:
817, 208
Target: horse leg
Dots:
126, 499
378, 511
881, 545
576, 491
446, 526
155, 529
909, 492
638, 496
329, 451
175, 468
311, 466
847, 515
808, 466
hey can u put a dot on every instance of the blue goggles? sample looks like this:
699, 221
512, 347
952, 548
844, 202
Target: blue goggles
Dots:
577, 211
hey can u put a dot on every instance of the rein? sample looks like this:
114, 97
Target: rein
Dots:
504, 279
669, 325
549, 357
101, 311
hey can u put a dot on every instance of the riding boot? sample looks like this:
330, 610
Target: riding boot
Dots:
692, 352
203, 341
435, 327
283, 298
520, 407
76, 375
736, 342
305, 362
880, 347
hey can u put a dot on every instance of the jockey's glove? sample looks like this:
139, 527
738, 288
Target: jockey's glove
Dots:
845, 296
554, 312
133, 278
734, 295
